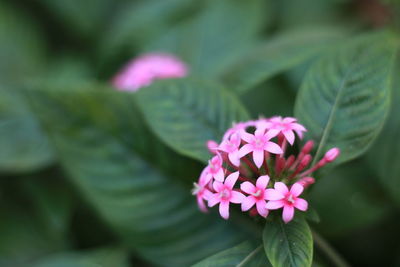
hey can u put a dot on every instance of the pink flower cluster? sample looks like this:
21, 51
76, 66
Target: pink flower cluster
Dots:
257, 154
143, 70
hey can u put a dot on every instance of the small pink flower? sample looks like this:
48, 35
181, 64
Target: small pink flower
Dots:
142, 71
289, 200
215, 169
258, 143
231, 146
201, 192
287, 126
237, 127
212, 146
225, 194
257, 195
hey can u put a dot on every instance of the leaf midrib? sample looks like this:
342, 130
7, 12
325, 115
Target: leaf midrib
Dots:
248, 257
287, 244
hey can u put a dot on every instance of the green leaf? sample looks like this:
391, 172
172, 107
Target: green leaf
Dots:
104, 257
288, 245
245, 254
23, 145
345, 96
213, 39
134, 182
279, 54
185, 114
384, 156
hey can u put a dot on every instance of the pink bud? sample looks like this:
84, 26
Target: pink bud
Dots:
212, 146
332, 154
306, 181
305, 161
308, 147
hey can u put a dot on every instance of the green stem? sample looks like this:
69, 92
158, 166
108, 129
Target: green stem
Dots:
245, 260
329, 251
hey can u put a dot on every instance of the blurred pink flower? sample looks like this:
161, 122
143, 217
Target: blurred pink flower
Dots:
225, 194
215, 169
289, 200
257, 195
231, 146
201, 192
258, 143
143, 70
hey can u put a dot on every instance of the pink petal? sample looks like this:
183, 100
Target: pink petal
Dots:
237, 197
219, 176
289, 136
218, 186
273, 148
259, 132
207, 194
281, 187
246, 136
272, 133
275, 204
224, 209
289, 120
261, 208
296, 189
205, 179
258, 157
244, 150
234, 158
248, 202
301, 204
272, 194
213, 200
288, 213
262, 181
298, 127
248, 187
231, 179
201, 204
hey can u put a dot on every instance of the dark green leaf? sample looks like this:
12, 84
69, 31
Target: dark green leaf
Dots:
105, 257
213, 39
23, 145
345, 96
185, 114
281, 53
288, 245
123, 171
245, 254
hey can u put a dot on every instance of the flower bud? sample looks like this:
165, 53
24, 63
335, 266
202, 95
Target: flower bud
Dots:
332, 154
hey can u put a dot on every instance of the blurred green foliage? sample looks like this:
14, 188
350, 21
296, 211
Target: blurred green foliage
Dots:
86, 179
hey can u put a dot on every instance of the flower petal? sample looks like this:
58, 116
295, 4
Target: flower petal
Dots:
213, 200
237, 197
224, 209
231, 179
246, 136
201, 204
296, 189
288, 213
261, 208
248, 187
219, 176
234, 158
289, 136
262, 181
301, 204
272, 194
258, 157
273, 148
275, 204
281, 187
218, 186
244, 150
248, 202
272, 133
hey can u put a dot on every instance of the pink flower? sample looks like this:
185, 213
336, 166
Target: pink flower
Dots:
257, 195
225, 194
237, 127
258, 143
215, 169
289, 200
231, 146
286, 126
201, 192
142, 71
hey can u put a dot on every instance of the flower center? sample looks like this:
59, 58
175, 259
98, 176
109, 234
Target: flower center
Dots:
258, 143
258, 193
290, 199
225, 194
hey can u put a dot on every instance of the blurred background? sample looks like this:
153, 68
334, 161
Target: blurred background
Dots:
44, 218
